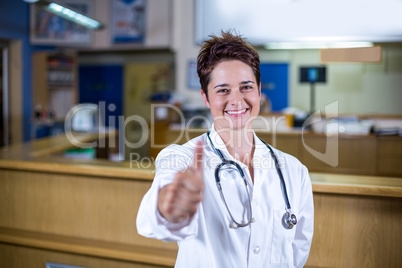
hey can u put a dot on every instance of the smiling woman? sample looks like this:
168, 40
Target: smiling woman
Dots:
243, 227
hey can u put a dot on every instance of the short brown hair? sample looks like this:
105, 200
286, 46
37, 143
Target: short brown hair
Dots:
227, 47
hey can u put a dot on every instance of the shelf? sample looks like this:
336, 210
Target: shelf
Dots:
55, 82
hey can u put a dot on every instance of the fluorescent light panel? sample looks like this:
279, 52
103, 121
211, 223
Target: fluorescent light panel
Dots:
67, 14
316, 45
73, 16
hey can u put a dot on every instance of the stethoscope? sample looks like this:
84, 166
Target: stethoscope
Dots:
288, 220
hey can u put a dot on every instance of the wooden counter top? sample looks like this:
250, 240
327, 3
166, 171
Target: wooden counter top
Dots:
356, 185
49, 145
41, 155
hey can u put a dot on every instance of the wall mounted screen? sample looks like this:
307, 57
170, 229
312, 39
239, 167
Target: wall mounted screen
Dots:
313, 74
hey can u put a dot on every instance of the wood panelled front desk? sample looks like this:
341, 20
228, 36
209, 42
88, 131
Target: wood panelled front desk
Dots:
83, 212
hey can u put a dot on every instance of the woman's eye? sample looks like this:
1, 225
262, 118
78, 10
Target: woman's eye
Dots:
247, 87
223, 90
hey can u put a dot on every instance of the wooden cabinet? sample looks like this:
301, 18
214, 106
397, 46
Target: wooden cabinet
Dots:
346, 154
341, 154
286, 143
390, 155
55, 82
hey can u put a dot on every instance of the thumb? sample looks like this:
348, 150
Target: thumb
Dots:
198, 156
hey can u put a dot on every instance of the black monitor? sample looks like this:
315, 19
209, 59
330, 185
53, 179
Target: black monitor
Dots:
313, 74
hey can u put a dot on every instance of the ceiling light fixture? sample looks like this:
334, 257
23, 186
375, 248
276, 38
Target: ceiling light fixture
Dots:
66, 13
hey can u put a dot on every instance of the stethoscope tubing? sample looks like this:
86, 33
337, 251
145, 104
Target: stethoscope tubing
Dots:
279, 171
291, 218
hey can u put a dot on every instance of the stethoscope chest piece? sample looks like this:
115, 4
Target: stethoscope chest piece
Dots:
289, 220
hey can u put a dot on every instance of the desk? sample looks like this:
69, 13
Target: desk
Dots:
83, 212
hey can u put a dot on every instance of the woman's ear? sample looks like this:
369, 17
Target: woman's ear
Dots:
205, 98
259, 90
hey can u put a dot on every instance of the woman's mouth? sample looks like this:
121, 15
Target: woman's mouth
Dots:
236, 112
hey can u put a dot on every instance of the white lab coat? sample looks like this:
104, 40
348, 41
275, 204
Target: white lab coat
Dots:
206, 239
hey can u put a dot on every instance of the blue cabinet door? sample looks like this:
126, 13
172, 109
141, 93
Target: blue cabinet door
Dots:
274, 84
103, 83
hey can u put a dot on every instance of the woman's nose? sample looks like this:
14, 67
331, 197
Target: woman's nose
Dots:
236, 98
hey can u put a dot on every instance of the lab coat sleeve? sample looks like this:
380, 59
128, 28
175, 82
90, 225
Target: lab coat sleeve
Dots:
305, 225
150, 223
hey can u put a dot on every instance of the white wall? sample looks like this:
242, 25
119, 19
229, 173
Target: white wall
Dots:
309, 20
360, 88
185, 47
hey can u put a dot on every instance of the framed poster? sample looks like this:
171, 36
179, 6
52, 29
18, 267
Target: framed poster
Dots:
128, 21
49, 29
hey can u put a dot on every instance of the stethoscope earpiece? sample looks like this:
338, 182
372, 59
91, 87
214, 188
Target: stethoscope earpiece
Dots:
289, 220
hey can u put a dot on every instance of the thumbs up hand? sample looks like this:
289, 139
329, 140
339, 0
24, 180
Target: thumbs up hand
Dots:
179, 200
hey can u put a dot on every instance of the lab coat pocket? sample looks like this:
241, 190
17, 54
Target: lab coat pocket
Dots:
281, 250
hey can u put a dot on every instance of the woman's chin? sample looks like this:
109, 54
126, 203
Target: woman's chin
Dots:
236, 124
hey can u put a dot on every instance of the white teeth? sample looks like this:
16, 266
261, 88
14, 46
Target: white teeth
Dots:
236, 112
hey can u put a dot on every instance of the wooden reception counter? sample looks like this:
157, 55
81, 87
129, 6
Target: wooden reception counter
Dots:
83, 212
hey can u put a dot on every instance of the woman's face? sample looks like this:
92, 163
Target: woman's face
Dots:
233, 95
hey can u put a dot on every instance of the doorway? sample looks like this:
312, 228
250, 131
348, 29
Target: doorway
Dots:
4, 99
274, 84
